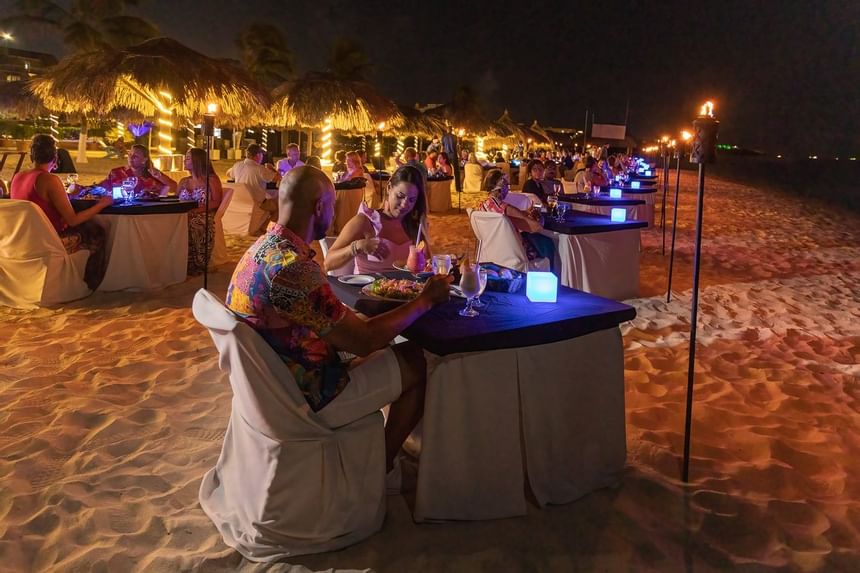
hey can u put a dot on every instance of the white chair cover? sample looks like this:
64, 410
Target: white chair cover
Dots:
439, 196
244, 215
219, 249
34, 267
372, 192
522, 201
285, 484
474, 176
347, 269
500, 243
145, 251
557, 408
346, 204
570, 187
605, 264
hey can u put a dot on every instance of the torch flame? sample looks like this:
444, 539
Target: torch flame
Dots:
707, 109
212, 108
686, 135
381, 126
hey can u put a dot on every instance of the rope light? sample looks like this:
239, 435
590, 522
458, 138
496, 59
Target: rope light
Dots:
55, 122
165, 122
326, 142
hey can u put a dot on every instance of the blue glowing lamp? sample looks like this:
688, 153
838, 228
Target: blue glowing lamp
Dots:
647, 173
618, 215
541, 286
635, 184
614, 193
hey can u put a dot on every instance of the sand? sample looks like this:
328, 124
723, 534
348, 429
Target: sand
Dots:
113, 407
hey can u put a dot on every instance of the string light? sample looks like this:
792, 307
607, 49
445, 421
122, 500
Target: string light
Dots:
165, 120
55, 122
326, 142
400, 146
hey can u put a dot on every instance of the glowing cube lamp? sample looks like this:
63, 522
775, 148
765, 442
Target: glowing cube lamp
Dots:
614, 193
116, 193
618, 215
541, 286
635, 184
647, 173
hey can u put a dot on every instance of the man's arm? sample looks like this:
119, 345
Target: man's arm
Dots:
362, 337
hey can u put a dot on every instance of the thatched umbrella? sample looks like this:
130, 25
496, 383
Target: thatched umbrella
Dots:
353, 106
17, 101
464, 112
418, 123
96, 82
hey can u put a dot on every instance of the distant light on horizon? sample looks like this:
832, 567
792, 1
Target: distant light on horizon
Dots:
852, 159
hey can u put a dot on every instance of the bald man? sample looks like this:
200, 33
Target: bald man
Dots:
280, 291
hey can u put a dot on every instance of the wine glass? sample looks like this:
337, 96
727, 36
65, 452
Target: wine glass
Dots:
551, 203
482, 279
561, 211
128, 185
470, 285
441, 264
556, 186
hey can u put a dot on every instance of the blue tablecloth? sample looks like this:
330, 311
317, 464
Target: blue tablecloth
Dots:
508, 321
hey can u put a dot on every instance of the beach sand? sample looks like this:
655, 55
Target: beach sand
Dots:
113, 407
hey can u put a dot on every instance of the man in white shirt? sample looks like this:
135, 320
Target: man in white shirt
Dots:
251, 172
291, 161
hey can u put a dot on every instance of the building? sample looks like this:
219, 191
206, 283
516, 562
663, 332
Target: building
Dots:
17, 65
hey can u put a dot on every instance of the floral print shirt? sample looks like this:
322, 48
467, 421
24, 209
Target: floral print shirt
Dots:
280, 291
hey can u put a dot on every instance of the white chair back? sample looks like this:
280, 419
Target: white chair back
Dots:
346, 269
243, 216
285, 484
219, 248
498, 241
474, 176
34, 266
372, 192
346, 203
522, 201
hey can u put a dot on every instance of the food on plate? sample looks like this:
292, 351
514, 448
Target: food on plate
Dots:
399, 289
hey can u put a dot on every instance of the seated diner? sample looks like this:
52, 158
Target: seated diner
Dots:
376, 239
193, 188
149, 181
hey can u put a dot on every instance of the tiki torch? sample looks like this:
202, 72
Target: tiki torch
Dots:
704, 150
685, 137
664, 146
208, 134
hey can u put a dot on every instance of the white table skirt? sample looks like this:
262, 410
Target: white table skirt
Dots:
604, 264
439, 196
145, 251
650, 204
557, 408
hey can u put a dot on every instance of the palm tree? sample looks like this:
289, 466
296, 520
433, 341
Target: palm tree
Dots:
348, 60
265, 53
86, 25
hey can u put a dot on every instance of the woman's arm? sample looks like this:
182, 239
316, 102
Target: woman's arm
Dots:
359, 231
168, 185
521, 220
52, 188
216, 193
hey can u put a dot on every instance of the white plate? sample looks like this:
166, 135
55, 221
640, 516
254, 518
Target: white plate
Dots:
357, 280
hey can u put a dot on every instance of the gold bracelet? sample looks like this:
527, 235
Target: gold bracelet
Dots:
354, 247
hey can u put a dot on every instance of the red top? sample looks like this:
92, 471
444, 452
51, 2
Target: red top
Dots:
24, 187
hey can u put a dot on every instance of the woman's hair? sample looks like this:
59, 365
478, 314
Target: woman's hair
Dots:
491, 181
410, 174
444, 156
532, 164
499, 157
198, 162
353, 157
339, 156
143, 149
43, 148
589, 162
313, 161
472, 157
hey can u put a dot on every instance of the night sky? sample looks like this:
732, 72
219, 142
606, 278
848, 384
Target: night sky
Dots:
785, 75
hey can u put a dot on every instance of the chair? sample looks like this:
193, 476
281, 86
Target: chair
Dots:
474, 176
347, 269
522, 201
219, 247
244, 216
375, 192
34, 267
346, 202
499, 242
285, 484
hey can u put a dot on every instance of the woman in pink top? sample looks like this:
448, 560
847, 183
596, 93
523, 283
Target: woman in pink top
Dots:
376, 239
76, 230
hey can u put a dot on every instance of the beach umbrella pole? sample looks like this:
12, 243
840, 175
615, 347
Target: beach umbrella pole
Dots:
674, 226
704, 151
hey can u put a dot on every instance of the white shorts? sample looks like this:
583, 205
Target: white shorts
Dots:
374, 383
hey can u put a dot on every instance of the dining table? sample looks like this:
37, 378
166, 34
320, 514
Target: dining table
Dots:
595, 254
646, 193
439, 193
526, 395
146, 242
635, 209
